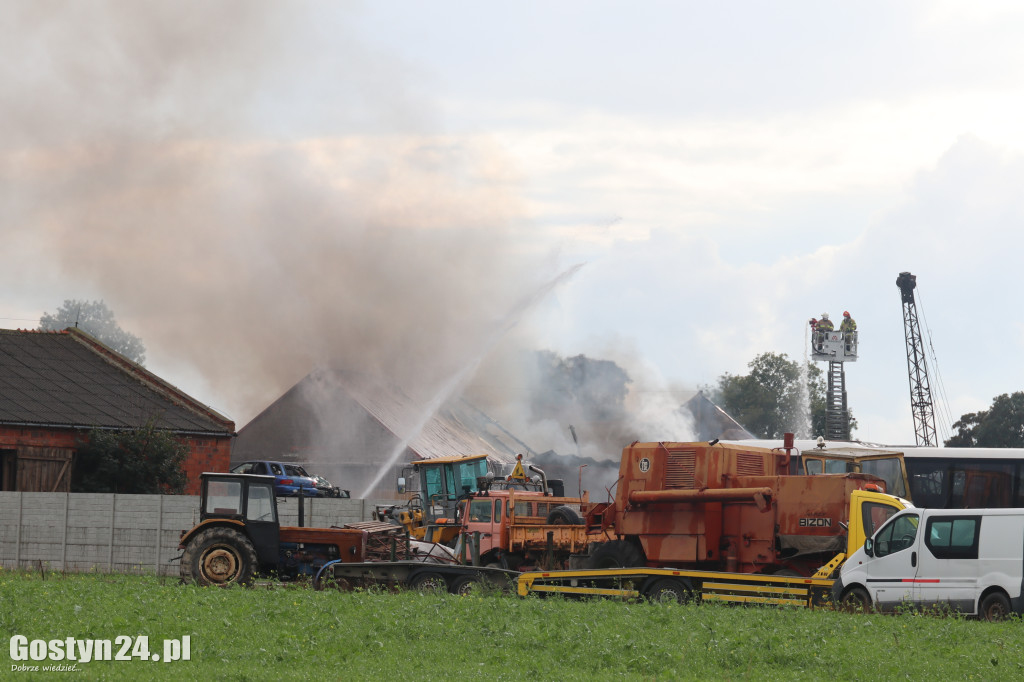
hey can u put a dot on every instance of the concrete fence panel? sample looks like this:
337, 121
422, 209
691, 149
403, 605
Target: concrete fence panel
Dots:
111, 533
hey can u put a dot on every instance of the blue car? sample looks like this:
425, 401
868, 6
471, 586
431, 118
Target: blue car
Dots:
292, 480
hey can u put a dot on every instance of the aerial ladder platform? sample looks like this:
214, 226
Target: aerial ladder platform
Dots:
836, 348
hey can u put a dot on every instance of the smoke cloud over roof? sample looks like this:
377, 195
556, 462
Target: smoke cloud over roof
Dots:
254, 205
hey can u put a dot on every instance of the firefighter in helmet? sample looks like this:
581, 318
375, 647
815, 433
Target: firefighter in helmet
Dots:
849, 329
825, 324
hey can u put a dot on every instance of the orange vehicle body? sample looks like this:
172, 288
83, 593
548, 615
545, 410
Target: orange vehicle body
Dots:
519, 529
724, 507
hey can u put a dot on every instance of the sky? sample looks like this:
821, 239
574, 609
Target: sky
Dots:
255, 188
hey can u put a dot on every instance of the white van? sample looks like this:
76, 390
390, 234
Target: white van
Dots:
971, 560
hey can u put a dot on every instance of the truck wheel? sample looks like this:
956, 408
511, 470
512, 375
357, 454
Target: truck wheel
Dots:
615, 554
429, 583
994, 607
669, 591
855, 599
465, 585
219, 556
564, 515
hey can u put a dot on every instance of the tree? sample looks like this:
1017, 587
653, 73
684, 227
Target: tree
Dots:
769, 401
96, 319
1000, 426
146, 460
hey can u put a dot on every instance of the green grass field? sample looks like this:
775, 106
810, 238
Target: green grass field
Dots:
293, 632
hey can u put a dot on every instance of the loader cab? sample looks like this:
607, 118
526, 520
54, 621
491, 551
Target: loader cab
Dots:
247, 500
442, 481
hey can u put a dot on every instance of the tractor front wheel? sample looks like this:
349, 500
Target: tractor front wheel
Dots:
219, 556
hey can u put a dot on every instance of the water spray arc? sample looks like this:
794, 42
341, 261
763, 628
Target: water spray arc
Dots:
462, 376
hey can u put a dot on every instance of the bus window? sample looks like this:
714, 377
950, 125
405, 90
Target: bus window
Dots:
986, 489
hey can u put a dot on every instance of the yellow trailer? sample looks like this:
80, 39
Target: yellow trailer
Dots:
675, 585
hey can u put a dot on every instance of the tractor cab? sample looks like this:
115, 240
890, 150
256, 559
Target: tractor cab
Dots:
247, 503
238, 496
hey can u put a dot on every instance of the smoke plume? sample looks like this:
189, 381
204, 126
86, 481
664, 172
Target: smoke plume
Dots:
252, 199
256, 195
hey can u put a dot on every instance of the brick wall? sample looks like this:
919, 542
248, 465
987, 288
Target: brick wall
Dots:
124, 533
13, 436
205, 453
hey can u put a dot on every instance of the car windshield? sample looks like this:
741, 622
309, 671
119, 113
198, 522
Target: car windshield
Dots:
293, 470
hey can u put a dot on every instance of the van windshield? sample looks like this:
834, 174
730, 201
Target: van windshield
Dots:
897, 535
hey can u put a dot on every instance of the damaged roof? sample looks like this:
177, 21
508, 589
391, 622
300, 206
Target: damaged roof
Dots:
456, 428
68, 379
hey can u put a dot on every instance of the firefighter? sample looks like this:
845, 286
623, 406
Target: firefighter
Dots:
849, 329
825, 324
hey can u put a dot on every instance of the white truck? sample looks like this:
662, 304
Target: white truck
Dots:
968, 560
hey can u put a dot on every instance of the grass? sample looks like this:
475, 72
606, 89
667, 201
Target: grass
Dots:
294, 632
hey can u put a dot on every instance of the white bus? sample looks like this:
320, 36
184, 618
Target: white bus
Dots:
940, 478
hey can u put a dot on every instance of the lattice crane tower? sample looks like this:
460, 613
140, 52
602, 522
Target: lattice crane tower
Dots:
917, 369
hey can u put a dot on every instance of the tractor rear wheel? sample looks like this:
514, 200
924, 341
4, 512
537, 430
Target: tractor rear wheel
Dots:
615, 554
219, 556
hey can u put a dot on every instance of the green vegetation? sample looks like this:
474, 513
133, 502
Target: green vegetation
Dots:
145, 461
97, 320
294, 632
767, 402
1000, 426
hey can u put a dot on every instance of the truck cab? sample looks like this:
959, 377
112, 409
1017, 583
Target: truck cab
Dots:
886, 464
517, 528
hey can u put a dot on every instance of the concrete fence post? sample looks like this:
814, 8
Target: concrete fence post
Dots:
17, 534
159, 531
110, 549
64, 536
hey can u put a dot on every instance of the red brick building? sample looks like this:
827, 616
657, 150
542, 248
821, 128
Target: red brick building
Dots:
57, 386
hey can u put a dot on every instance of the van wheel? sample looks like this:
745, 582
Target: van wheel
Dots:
855, 599
616, 554
564, 515
994, 607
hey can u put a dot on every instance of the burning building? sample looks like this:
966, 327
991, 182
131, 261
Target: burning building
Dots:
359, 432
